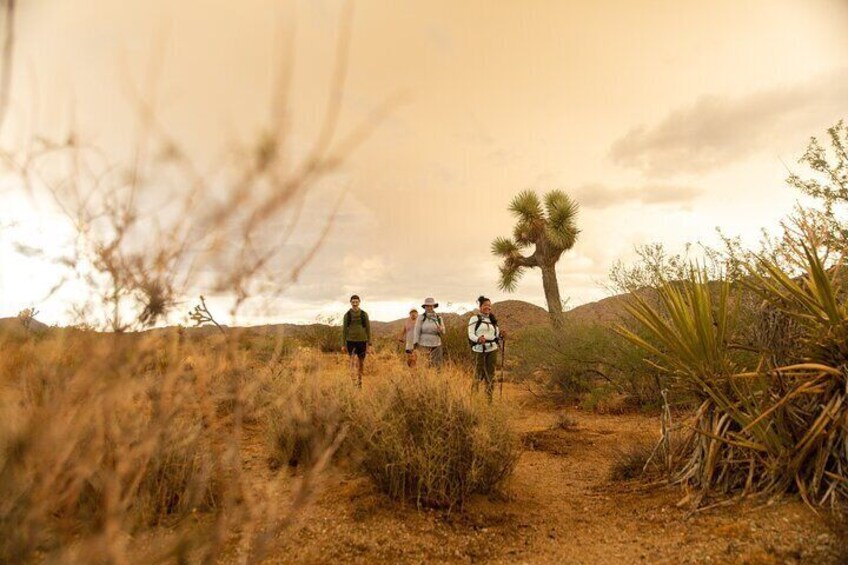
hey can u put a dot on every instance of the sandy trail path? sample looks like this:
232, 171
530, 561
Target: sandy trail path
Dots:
561, 507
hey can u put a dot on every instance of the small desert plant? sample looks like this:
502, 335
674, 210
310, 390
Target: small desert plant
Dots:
427, 442
564, 422
631, 461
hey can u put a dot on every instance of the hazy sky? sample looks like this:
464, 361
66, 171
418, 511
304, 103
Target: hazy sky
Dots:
664, 119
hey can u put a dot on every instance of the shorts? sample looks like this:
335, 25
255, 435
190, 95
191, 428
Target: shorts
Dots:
358, 348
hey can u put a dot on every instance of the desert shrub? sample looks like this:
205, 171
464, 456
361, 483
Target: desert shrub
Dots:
103, 436
759, 426
564, 422
304, 422
426, 441
632, 461
588, 360
265, 348
455, 341
325, 335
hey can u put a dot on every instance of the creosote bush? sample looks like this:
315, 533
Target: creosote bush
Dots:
420, 437
425, 440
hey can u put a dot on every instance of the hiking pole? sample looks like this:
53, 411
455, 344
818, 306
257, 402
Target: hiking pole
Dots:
503, 360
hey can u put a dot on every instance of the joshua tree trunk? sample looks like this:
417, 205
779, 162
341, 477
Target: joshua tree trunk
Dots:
549, 283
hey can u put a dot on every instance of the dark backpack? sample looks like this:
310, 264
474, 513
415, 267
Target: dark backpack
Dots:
362, 318
492, 320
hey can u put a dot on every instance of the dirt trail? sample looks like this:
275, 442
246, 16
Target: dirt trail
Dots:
561, 507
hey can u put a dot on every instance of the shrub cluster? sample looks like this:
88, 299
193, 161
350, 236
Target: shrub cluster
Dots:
421, 438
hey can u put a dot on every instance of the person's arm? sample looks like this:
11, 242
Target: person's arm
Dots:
442, 329
472, 335
416, 333
344, 332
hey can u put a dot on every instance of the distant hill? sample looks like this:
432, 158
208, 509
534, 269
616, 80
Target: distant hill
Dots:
14, 325
513, 315
608, 310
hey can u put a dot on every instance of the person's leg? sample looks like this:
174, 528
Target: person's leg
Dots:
361, 369
428, 354
479, 371
351, 355
437, 357
491, 366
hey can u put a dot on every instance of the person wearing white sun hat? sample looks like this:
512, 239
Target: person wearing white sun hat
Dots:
429, 329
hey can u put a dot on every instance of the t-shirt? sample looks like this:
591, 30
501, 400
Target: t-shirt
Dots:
353, 328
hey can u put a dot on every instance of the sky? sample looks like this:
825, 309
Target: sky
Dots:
663, 119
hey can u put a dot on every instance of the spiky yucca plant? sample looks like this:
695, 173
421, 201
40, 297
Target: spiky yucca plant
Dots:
767, 429
552, 230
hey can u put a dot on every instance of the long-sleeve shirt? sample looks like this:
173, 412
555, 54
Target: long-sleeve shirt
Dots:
408, 333
486, 329
428, 330
356, 327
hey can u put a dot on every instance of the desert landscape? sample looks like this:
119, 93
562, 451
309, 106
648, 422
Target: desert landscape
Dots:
340, 281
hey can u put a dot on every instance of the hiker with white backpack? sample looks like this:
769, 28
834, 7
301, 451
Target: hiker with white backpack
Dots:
484, 336
429, 329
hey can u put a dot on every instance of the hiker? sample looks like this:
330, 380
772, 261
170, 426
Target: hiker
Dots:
429, 328
356, 337
483, 336
407, 337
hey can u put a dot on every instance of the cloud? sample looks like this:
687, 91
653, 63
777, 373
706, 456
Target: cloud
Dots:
599, 196
717, 131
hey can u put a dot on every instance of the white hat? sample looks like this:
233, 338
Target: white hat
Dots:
430, 302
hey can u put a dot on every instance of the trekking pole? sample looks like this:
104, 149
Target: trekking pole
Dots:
503, 360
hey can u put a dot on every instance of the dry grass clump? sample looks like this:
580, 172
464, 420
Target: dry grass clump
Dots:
427, 440
305, 418
87, 448
633, 461
104, 436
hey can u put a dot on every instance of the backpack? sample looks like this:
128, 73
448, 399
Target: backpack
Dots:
362, 318
492, 320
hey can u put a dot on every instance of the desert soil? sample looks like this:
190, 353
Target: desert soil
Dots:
560, 507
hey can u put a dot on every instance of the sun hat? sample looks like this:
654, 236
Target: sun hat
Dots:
430, 302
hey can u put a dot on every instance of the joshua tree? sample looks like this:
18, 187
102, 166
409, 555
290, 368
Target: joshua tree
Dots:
552, 229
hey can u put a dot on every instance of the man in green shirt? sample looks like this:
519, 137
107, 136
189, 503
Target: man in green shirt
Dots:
356, 337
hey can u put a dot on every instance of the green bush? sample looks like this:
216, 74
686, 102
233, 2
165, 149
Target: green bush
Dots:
587, 358
455, 342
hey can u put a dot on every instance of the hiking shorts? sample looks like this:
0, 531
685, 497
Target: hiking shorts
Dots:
358, 348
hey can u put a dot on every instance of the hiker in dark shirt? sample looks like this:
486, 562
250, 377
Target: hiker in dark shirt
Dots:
356, 337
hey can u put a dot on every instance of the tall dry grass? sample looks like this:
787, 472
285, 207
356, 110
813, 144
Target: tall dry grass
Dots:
421, 436
103, 437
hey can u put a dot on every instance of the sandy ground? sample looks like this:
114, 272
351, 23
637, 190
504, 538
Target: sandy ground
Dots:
560, 507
